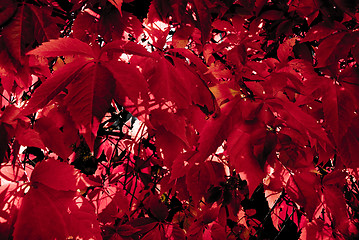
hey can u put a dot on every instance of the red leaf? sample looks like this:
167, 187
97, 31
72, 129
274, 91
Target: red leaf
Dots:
165, 82
7, 9
303, 51
159, 10
155, 233
10, 115
282, 209
335, 47
53, 138
217, 129
113, 25
126, 230
317, 229
31, 24
58, 175
181, 37
10, 201
28, 137
55, 215
323, 30
336, 205
217, 231
14, 33
174, 232
129, 81
179, 168
84, 25
110, 203
158, 209
285, 50
349, 145
195, 86
89, 97
335, 178
174, 123
12, 173
301, 187
339, 110
45, 25
204, 18
272, 15
149, 227
349, 79
126, 47
210, 214
63, 47
243, 160
223, 25
168, 145
117, 4
296, 118
198, 181
198, 63
54, 85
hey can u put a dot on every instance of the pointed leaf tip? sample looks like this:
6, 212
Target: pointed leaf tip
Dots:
63, 47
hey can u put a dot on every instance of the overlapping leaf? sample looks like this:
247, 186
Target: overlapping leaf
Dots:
298, 119
63, 47
89, 98
58, 175
55, 215
30, 24
57, 211
328, 56
243, 160
167, 83
216, 130
275, 115
7, 9
339, 110
91, 85
117, 4
54, 85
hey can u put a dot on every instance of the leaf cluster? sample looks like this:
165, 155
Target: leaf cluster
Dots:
138, 119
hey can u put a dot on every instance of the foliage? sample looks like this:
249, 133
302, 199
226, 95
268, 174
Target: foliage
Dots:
169, 119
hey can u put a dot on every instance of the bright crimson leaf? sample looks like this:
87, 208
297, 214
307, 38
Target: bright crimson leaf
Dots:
129, 81
11, 173
302, 188
54, 85
336, 206
58, 175
110, 203
217, 129
89, 97
11, 196
243, 160
165, 82
63, 47
297, 118
55, 215
59, 144
198, 181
